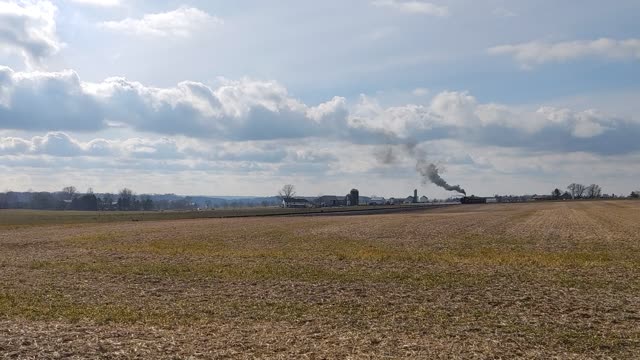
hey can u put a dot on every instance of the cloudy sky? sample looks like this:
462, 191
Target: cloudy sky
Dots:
240, 97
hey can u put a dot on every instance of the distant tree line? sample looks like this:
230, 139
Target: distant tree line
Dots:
593, 191
69, 198
574, 191
580, 191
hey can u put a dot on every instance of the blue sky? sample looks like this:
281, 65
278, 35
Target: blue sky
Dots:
229, 98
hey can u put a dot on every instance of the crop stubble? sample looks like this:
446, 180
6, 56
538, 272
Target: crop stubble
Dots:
515, 280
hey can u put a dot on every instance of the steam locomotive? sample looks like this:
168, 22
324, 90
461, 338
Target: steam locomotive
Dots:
473, 200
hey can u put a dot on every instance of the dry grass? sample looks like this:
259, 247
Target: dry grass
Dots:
532, 281
15, 219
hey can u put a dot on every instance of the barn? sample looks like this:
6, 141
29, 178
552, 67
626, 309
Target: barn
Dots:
295, 203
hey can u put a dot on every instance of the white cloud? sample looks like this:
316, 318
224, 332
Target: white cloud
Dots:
47, 100
60, 144
584, 124
182, 22
458, 115
239, 110
369, 115
169, 154
413, 7
101, 3
13, 145
263, 110
454, 108
29, 29
535, 53
231, 168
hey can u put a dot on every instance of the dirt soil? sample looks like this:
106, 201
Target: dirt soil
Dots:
539, 280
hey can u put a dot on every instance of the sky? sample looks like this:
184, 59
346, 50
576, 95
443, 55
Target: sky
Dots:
241, 97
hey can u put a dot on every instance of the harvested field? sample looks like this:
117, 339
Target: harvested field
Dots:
540, 280
11, 219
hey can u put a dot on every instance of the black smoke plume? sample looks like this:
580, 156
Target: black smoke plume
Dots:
430, 172
389, 154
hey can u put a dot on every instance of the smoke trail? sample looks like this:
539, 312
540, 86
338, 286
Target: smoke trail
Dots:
386, 155
430, 171
392, 153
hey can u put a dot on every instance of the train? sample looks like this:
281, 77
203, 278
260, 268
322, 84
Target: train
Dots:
473, 200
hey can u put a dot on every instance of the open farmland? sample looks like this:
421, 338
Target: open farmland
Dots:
505, 280
26, 218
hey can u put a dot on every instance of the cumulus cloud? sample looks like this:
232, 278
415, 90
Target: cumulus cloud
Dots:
535, 53
101, 3
584, 124
61, 144
459, 116
12, 145
236, 110
413, 7
29, 29
46, 101
54, 144
249, 110
333, 164
182, 22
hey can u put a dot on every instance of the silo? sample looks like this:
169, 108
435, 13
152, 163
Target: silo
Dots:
354, 196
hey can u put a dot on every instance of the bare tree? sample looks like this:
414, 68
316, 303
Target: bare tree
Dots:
147, 203
287, 192
69, 192
125, 199
593, 191
577, 190
107, 201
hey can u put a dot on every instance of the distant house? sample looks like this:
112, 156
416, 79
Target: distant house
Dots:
295, 203
409, 200
424, 199
329, 201
394, 201
377, 201
492, 200
542, 197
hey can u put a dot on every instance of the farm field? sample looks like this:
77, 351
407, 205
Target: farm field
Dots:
26, 218
538, 280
